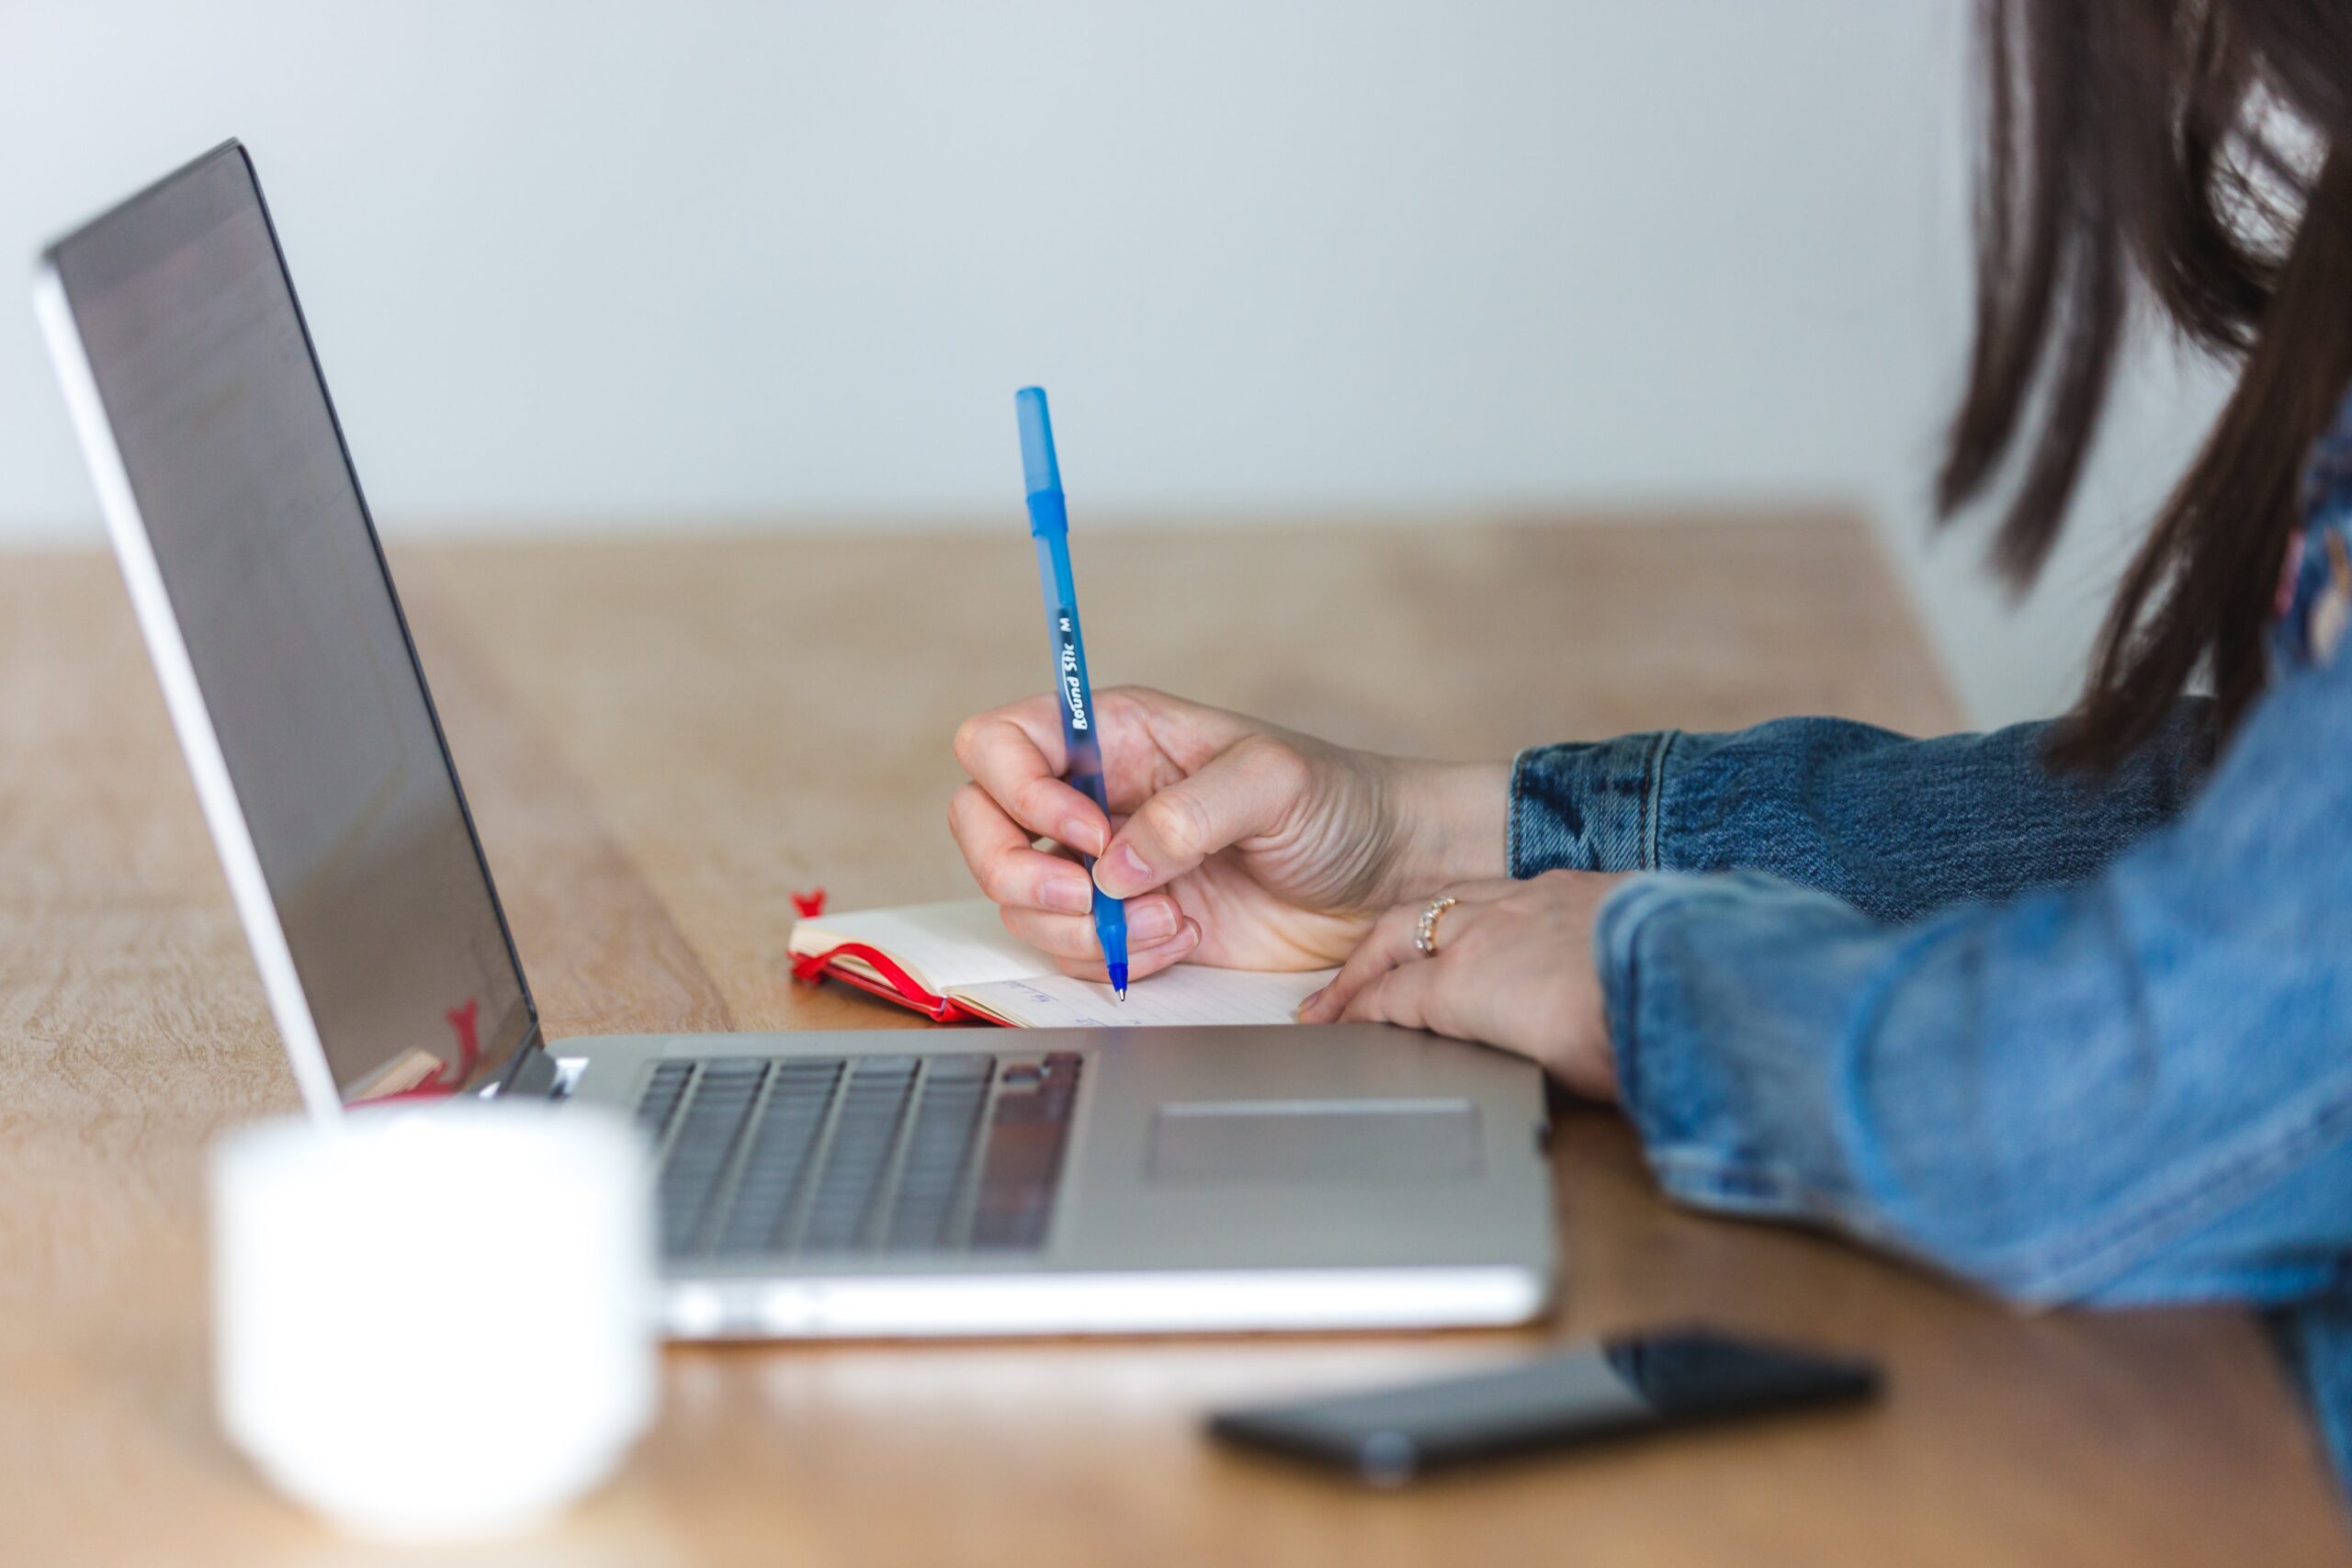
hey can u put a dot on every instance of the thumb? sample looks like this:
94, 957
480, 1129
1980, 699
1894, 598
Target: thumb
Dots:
1244, 790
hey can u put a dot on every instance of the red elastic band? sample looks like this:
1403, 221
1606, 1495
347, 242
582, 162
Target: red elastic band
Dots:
811, 967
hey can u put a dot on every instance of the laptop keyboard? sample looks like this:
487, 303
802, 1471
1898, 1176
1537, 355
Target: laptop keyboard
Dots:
798, 1156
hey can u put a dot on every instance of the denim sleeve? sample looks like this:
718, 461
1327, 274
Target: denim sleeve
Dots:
1893, 826
2133, 1088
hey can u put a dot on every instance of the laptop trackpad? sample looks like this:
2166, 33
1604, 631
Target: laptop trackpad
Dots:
1314, 1140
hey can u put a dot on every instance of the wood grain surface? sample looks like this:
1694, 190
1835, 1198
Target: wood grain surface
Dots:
664, 737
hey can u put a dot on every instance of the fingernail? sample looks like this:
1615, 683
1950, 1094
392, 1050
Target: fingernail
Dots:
1153, 922
1314, 1000
1071, 894
1082, 836
1123, 867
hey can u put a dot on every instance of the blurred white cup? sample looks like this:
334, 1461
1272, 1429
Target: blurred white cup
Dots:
435, 1323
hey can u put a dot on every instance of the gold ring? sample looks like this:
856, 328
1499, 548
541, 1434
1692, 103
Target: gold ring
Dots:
1425, 936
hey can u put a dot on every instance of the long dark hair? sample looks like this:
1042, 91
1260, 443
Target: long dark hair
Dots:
2204, 148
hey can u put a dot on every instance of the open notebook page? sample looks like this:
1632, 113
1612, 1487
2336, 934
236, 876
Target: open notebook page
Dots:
1190, 993
945, 946
961, 948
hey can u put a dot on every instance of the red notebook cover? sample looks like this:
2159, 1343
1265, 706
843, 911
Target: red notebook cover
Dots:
895, 984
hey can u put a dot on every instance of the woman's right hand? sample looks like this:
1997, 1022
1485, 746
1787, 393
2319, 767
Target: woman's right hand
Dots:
1233, 842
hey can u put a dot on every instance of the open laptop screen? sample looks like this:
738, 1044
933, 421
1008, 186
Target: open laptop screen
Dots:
237, 480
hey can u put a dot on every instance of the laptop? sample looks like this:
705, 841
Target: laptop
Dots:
979, 1182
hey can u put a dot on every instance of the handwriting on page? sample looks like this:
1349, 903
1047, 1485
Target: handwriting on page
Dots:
1188, 994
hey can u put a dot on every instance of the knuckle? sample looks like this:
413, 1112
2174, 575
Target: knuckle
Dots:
1177, 820
960, 807
995, 884
1037, 802
1129, 692
1137, 704
967, 738
1280, 768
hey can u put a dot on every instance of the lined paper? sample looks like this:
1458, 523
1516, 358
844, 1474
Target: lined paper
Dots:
961, 948
1188, 994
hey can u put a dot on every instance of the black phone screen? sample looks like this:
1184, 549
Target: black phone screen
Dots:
1618, 1388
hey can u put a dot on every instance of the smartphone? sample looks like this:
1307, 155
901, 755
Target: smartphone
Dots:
1620, 1387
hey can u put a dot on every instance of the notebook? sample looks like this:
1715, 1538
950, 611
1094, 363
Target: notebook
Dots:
955, 962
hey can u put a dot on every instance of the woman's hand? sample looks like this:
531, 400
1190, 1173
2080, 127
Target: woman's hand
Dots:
1513, 968
1233, 842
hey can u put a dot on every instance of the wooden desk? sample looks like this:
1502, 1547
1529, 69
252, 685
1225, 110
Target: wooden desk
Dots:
662, 738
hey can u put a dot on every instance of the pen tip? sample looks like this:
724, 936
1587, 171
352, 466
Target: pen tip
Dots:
1119, 981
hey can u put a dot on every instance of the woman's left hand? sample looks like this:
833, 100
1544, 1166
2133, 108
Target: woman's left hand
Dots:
1513, 968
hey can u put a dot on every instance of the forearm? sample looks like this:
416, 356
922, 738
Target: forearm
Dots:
2128, 1089
1931, 1089
1893, 826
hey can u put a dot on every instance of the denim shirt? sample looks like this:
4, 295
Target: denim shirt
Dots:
1886, 986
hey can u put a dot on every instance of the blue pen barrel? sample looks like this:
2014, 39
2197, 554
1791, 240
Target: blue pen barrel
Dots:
1065, 645
1111, 925
1049, 527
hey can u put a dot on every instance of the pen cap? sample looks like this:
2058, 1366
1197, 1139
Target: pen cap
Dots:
1041, 474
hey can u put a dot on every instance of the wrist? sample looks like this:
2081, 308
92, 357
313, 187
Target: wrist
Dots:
1453, 818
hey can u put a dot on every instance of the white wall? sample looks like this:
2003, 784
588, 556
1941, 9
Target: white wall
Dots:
576, 263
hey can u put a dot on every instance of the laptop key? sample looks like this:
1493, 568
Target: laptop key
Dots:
961, 1067
939, 1153
664, 1092
714, 1121
865, 1137
776, 1168
1028, 1135
884, 1153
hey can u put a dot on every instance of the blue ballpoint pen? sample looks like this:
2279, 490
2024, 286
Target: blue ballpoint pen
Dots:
1049, 527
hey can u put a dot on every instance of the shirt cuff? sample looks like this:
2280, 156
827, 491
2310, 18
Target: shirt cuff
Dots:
1589, 806
1661, 1118
1731, 1107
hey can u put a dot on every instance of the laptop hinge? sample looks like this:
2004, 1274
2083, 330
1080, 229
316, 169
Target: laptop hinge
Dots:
532, 1075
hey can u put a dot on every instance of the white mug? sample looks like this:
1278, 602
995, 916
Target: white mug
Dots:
435, 1323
